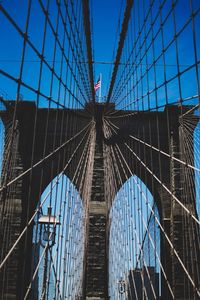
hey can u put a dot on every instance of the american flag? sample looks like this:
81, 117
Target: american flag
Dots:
97, 85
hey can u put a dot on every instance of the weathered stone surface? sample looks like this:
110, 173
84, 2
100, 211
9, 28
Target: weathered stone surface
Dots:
142, 125
18, 202
96, 285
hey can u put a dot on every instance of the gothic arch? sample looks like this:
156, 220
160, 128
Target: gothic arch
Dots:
134, 190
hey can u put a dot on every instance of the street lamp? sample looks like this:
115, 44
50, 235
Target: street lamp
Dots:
48, 226
122, 286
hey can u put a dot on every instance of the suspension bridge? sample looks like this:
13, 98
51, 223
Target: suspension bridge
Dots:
99, 195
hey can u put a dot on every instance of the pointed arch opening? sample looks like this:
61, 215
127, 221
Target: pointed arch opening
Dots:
134, 243
58, 243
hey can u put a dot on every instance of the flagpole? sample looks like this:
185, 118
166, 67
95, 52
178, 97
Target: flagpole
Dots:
100, 87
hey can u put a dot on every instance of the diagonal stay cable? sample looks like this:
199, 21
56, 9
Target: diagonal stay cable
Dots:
45, 158
160, 151
117, 158
40, 206
84, 160
168, 240
152, 213
162, 184
53, 258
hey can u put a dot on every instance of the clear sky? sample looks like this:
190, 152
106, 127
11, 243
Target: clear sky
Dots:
107, 17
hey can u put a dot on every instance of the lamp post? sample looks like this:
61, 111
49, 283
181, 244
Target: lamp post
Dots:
48, 226
122, 286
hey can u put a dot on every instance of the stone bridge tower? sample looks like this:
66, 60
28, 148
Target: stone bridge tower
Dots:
25, 191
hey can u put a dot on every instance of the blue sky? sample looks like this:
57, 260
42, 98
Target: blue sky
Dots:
106, 16
105, 21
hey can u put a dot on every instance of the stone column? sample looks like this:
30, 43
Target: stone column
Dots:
10, 213
182, 228
96, 277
